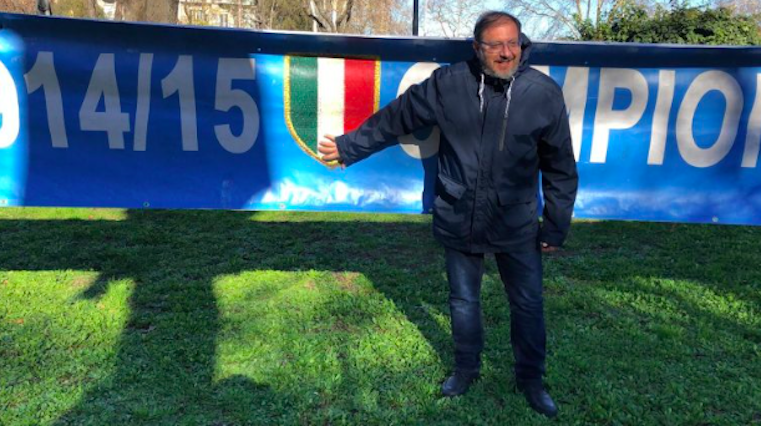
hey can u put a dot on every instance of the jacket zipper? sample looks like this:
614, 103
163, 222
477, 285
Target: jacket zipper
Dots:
509, 96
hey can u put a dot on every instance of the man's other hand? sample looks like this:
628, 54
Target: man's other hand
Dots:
327, 147
546, 248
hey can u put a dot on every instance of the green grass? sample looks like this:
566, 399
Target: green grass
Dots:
114, 317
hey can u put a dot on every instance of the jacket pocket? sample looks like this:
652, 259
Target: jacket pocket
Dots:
451, 207
515, 218
449, 189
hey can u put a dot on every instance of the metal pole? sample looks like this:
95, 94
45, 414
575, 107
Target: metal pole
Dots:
415, 16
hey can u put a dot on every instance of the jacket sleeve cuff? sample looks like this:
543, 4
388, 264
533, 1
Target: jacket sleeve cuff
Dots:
554, 239
341, 145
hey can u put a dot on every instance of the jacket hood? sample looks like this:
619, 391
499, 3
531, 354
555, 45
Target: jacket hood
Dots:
526, 47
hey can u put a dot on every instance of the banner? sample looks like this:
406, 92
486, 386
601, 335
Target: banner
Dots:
112, 114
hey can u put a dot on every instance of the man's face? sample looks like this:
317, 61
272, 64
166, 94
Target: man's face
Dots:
499, 49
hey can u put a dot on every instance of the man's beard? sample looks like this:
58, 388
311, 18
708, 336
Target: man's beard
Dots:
507, 75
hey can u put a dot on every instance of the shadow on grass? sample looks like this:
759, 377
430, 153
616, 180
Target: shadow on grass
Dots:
657, 323
166, 365
708, 272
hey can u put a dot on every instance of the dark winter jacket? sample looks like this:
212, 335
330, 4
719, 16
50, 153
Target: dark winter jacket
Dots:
496, 137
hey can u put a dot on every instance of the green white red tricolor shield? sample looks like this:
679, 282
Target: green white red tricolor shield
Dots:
328, 96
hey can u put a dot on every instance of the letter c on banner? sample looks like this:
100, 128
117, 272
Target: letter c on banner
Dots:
9, 109
411, 145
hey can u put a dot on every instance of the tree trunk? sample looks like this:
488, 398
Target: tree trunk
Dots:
43, 7
328, 17
91, 8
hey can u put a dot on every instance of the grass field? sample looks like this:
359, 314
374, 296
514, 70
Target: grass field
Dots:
120, 317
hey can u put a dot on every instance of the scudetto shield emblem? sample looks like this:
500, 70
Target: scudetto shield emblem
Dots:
328, 96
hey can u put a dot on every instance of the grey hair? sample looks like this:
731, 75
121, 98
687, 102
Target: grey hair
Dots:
487, 19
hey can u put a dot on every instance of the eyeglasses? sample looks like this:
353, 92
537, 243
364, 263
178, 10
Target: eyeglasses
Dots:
499, 45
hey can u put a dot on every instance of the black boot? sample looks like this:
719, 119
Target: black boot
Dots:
538, 398
458, 383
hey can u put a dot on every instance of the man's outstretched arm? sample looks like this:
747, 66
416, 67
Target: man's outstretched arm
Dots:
413, 110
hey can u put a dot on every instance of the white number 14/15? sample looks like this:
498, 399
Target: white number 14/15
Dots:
115, 122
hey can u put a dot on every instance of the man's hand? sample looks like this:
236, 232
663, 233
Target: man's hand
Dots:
546, 248
327, 147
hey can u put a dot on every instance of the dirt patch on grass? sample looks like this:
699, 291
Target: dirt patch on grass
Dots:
340, 325
347, 281
82, 281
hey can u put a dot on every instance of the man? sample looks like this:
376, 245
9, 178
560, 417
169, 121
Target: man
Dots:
501, 124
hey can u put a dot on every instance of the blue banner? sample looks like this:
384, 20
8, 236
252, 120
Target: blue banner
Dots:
109, 114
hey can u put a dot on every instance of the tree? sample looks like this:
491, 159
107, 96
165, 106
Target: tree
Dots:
19, 6
380, 17
196, 13
358, 17
680, 25
254, 14
741, 7
560, 18
77, 8
330, 15
147, 10
452, 18
73, 8
290, 15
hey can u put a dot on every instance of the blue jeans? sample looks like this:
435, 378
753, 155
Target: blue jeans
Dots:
521, 274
